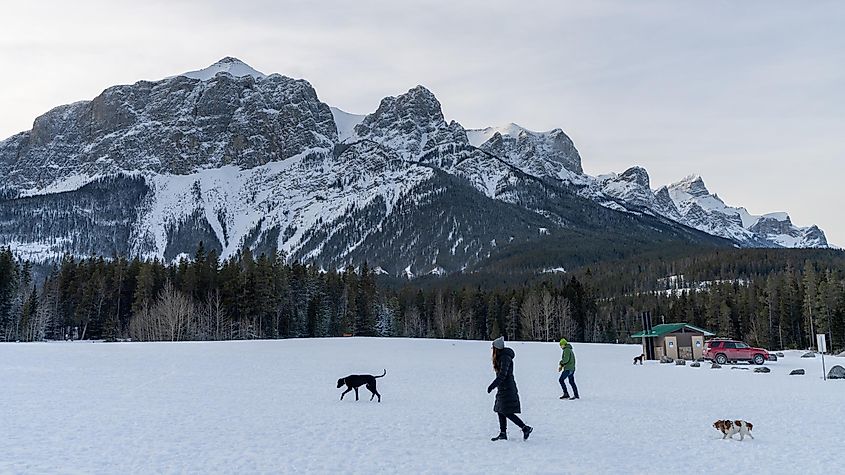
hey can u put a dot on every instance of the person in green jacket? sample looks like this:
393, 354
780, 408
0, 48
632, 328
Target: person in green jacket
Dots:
567, 366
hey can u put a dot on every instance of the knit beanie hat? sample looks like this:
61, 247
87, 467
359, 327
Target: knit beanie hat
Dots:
499, 343
563, 342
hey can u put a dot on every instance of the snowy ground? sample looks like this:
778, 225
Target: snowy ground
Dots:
272, 406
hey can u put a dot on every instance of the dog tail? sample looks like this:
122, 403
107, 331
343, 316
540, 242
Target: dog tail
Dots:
382, 374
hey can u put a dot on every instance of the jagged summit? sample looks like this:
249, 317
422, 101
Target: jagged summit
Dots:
547, 154
692, 185
230, 65
411, 123
637, 175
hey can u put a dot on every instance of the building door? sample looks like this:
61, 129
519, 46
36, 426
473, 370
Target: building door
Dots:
671, 343
697, 347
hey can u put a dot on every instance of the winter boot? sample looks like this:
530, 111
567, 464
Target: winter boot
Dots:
565, 396
574, 397
526, 431
501, 436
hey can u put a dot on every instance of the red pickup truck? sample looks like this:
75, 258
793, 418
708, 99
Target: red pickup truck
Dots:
722, 351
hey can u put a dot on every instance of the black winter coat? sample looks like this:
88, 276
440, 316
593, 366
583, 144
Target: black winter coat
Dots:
507, 396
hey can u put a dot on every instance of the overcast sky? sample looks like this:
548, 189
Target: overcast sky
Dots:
748, 94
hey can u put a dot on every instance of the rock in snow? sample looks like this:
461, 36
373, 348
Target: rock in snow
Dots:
837, 372
795, 372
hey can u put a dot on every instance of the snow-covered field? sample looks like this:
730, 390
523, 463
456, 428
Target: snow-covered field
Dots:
272, 406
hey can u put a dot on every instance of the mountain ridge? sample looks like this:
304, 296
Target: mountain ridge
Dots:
242, 159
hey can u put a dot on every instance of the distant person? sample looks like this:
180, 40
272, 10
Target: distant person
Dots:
567, 366
507, 396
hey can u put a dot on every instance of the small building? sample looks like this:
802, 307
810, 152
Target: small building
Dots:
676, 340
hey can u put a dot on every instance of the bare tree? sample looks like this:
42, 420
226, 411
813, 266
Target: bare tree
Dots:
568, 326
169, 319
548, 311
530, 317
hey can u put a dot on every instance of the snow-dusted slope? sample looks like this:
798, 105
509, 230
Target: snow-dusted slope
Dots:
229, 65
346, 124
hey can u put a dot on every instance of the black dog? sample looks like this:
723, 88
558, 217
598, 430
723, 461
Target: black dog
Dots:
353, 381
639, 359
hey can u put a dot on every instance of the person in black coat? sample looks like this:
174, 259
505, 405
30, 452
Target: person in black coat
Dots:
507, 396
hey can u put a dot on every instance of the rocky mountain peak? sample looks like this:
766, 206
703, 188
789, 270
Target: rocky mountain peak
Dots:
692, 185
547, 154
636, 175
411, 124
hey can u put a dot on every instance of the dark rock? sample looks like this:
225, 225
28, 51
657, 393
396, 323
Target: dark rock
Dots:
837, 372
798, 371
667, 359
779, 354
695, 365
773, 357
737, 367
715, 366
762, 369
681, 362
808, 354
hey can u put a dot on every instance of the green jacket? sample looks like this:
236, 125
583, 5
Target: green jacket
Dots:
567, 360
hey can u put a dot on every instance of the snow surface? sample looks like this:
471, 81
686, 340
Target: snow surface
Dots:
346, 123
477, 137
272, 407
233, 66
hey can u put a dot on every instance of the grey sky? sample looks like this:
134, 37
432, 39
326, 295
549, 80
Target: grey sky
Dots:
749, 94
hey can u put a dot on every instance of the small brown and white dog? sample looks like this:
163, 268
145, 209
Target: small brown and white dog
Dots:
639, 359
729, 428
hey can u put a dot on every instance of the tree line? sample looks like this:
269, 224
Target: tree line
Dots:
775, 300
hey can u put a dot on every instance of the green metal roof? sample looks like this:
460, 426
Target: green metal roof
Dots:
663, 329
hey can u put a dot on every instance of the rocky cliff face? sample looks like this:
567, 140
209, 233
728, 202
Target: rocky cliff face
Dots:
175, 126
543, 154
235, 158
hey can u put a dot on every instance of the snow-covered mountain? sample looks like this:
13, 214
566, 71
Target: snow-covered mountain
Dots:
238, 159
691, 203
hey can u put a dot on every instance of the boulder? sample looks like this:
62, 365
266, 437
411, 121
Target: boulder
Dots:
681, 362
841, 354
773, 357
795, 372
715, 366
762, 369
837, 372
808, 354
737, 367
695, 365
667, 359
779, 354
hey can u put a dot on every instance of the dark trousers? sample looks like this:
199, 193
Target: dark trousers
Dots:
567, 374
503, 421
